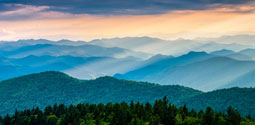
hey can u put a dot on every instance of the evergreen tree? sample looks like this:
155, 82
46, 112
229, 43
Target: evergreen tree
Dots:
234, 117
208, 116
7, 120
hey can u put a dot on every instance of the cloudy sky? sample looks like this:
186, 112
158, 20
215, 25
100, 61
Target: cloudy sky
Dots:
95, 19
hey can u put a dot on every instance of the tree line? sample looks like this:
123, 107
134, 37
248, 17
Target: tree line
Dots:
161, 112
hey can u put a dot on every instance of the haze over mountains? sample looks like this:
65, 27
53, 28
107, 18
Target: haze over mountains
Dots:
204, 64
98, 62
241, 39
167, 47
196, 69
76, 51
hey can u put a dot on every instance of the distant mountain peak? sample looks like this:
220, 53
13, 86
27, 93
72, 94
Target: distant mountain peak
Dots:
195, 53
51, 73
106, 77
222, 52
47, 75
249, 49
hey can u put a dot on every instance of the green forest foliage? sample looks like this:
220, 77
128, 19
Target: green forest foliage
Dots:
49, 88
161, 112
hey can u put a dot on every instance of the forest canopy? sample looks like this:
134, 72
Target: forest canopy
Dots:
161, 112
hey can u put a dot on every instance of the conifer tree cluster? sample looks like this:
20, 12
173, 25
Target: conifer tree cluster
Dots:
161, 112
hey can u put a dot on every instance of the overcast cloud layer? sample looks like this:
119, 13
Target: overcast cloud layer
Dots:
130, 7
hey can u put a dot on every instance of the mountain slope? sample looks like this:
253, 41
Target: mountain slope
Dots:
241, 99
161, 65
242, 55
249, 52
223, 52
246, 80
196, 70
48, 88
205, 75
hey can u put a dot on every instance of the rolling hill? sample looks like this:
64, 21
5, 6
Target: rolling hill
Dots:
51, 87
241, 99
48, 88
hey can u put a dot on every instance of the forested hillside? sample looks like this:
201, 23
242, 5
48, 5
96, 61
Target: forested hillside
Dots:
239, 98
48, 88
52, 87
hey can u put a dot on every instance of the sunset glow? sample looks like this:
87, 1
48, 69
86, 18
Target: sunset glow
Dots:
53, 25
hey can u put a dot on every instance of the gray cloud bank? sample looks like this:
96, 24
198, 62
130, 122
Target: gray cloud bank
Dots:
113, 7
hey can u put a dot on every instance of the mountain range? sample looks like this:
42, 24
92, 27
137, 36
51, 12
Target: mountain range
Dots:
184, 62
167, 47
48, 88
77, 51
150, 45
197, 70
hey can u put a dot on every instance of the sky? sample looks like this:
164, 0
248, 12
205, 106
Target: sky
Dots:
95, 19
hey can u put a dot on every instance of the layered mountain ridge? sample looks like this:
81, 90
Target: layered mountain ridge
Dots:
51, 87
201, 64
